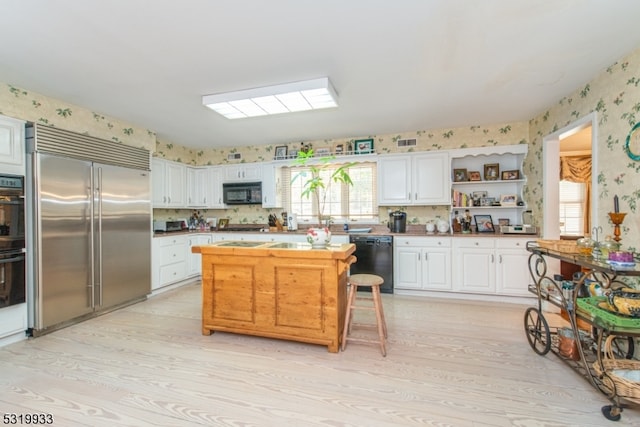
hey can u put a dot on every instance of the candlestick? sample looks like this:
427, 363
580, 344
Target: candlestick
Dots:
616, 219
616, 207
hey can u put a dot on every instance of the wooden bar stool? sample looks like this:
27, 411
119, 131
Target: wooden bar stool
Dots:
372, 281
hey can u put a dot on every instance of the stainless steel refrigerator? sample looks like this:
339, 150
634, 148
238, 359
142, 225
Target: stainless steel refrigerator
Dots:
92, 235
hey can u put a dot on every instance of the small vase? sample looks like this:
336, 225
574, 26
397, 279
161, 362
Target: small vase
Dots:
319, 237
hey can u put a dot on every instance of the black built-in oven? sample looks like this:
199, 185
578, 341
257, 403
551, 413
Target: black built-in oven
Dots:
12, 240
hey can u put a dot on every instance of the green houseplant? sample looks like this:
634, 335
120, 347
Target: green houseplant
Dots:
317, 186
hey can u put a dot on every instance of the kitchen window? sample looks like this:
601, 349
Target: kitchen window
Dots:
344, 203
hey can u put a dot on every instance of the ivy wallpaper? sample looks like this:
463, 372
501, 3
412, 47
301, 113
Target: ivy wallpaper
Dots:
614, 95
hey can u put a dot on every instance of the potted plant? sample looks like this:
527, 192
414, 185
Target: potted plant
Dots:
317, 186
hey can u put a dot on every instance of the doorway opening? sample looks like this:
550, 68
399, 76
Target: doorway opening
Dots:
575, 140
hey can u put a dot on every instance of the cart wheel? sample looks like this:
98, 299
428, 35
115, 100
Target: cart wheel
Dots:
612, 413
537, 330
623, 347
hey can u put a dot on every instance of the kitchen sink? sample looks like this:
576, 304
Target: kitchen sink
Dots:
241, 244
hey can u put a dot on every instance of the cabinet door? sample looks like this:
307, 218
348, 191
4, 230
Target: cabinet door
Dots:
12, 145
512, 272
175, 184
242, 172
394, 180
407, 270
194, 266
436, 269
431, 185
158, 180
271, 186
475, 270
196, 187
213, 187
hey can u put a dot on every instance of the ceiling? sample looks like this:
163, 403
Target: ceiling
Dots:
398, 66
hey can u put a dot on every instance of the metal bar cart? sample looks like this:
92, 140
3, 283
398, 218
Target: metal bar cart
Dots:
591, 326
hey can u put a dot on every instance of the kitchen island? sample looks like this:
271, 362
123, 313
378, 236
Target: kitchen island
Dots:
276, 290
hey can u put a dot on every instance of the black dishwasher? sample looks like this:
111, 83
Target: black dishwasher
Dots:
375, 256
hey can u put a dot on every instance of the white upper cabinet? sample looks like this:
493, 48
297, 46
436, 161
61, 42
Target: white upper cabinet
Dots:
271, 185
12, 147
197, 187
243, 172
214, 187
414, 179
168, 183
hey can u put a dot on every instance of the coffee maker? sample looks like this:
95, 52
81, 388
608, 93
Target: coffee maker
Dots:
397, 222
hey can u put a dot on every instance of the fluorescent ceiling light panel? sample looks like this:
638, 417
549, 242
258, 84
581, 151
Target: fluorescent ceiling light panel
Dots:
285, 98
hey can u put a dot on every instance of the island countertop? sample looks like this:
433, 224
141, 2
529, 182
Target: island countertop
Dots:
278, 249
276, 289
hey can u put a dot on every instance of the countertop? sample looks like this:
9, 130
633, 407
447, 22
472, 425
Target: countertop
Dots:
377, 230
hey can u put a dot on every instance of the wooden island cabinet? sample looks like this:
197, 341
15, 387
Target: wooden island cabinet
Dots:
276, 289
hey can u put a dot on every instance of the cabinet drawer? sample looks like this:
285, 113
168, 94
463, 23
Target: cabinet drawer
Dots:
172, 240
511, 243
173, 273
173, 254
429, 242
474, 242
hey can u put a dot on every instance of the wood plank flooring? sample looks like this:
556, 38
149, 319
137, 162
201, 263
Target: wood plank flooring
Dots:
449, 363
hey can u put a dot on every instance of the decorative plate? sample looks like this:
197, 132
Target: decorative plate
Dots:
621, 264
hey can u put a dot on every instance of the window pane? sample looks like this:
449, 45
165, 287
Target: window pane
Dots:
571, 208
342, 202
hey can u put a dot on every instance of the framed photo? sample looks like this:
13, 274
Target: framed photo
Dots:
460, 175
474, 176
281, 152
323, 151
503, 221
509, 175
363, 146
491, 171
476, 196
293, 153
484, 224
222, 223
338, 149
508, 200
487, 201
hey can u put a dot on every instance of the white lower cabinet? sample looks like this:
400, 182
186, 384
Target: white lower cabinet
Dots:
490, 265
169, 259
422, 263
194, 264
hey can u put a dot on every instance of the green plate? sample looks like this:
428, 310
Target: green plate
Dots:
589, 309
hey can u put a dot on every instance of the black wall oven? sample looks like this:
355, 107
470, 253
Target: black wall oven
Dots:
12, 240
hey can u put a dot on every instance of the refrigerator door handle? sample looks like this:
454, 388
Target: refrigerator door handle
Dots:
91, 286
99, 243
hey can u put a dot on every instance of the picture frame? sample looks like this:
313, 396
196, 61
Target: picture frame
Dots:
338, 149
223, 223
484, 224
363, 146
474, 176
293, 153
503, 221
487, 201
508, 200
460, 175
491, 171
281, 152
477, 196
510, 175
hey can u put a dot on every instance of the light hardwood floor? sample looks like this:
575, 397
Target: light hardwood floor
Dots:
449, 363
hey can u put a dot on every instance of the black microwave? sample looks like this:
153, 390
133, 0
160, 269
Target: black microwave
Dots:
242, 193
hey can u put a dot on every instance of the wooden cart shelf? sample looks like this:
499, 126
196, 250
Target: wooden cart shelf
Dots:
581, 311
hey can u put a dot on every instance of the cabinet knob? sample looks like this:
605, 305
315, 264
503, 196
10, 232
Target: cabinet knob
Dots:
477, 243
